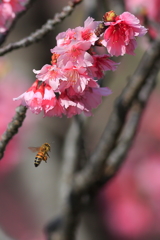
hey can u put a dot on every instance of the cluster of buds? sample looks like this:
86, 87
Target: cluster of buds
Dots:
69, 85
8, 11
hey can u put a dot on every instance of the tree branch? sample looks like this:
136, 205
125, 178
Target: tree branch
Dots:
119, 153
12, 128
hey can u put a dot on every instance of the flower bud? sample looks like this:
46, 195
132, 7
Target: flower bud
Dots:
109, 16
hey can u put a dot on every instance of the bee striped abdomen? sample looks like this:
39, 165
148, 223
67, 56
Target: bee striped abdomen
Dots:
38, 159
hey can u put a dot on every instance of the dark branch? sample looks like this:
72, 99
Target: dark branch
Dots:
12, 128
119, 153
40, 33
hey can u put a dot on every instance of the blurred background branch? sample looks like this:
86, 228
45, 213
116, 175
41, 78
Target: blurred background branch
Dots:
18, 15
80, 174
40, 33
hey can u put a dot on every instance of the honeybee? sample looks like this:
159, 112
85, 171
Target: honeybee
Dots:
42, 153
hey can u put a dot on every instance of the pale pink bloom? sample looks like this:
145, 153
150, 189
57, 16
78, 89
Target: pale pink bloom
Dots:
28, 95
74, 52
75, 77
6, 16
93, 97
65, 38
56, 104
49, 99
101, 64
119, 37
51, 75
35, 103
87, 32
88, 100
33, 98
70, 104
58, 109
65, 106
80, 33
74, 109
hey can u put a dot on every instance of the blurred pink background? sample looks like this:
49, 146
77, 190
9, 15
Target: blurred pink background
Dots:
127, 207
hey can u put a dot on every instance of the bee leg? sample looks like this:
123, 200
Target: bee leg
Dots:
45, 159
48, 155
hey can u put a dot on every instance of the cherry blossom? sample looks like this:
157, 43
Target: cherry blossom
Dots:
119, 37
69, 84
75, 52
101, 64
87, 32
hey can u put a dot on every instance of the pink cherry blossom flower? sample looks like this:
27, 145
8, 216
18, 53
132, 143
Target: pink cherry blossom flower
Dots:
57, 110
93, 97
86, 101
33, 97
74, 52
49, 99
51, 75
75, 77
65, 38
119, 37
101, 64
87, 32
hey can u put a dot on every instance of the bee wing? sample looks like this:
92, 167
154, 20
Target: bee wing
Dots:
34, 149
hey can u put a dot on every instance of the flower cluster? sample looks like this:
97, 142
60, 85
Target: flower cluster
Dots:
68, 86
8, 10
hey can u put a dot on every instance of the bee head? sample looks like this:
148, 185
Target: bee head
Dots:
47, 145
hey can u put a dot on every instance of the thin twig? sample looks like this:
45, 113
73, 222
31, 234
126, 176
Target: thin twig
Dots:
12, 128
40, 33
